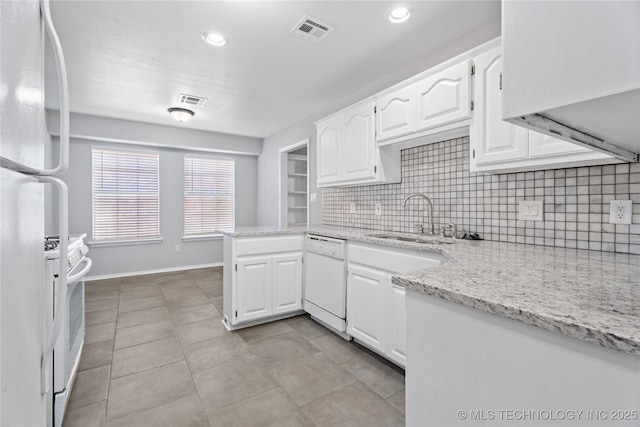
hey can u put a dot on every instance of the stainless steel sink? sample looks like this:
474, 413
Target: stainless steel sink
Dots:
415, 239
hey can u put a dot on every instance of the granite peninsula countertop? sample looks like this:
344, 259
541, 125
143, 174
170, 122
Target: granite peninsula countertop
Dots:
589, 295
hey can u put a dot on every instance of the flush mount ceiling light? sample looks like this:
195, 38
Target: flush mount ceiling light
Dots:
399, 14
180, 114
214, 39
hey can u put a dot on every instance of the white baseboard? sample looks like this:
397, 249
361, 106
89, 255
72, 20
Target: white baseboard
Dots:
160, 270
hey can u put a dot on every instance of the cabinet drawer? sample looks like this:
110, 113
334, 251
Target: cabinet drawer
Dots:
264, 245
395, 260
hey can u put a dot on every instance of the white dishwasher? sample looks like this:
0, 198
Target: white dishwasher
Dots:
326, 281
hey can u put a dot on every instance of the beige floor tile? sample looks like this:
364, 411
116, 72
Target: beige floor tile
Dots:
140, 304
127, 337
256, 333
212, 352
354, 405
152, 290
139, 285
88, 416
181, 292
210, 283
336, 348
312, 377
101, 304
205, 273
90, 387
97, 333
200, 331
141, 317
232, 382
176, 282
212, 292
177, 303
218, 302
380, 377
96, 355
101, 316
194, 314
148, 389
104, 284
306, 327
184, 412
139, 278
273, 408
282, 348
92, 294
397, 401
141, 357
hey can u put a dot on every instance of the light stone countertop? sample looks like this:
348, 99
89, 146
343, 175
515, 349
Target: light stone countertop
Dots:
589, 295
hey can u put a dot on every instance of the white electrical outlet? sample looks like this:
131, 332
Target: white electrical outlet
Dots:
531, 210
313, 197
352, 208
378, 209
177, 248
620, 212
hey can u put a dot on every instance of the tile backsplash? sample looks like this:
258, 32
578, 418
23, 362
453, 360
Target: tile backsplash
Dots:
576, 201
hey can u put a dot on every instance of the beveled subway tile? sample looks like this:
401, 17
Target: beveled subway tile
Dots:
311, 377
273, 408
131, 360
141, 317
232, 382
127, 337
148, 389
186, 411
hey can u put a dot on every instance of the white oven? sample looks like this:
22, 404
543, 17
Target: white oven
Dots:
70, 341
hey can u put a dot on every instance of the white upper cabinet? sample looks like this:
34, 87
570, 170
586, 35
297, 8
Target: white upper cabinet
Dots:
395, 114
443, 97
494, 140
497, 145
348, 153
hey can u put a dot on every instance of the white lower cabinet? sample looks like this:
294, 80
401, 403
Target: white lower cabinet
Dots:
262, 279
376, 313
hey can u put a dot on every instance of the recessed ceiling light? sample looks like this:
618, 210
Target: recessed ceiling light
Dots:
180, 114
214, 39
399, 14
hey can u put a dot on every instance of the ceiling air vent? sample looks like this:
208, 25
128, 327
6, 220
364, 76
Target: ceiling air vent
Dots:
192, 100
311, 29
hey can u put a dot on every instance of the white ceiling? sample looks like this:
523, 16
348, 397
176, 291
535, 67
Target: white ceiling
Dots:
131, 59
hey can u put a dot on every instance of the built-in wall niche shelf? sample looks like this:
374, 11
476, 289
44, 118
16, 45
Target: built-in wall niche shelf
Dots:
297, 187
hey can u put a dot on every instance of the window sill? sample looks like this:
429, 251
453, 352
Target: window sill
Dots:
125, 242
202, 238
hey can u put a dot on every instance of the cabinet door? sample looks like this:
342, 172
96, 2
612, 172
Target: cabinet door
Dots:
398, 324
254, 293
359, 145
395, 114
443, 98
328, 152
367, 299
541, 145
287, 283
494, 140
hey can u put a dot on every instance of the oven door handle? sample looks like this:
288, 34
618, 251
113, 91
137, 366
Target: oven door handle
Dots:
71, 279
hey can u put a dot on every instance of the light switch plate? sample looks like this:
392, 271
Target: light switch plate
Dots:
352, 207
620, 212
530, 210
313, 197
378, 209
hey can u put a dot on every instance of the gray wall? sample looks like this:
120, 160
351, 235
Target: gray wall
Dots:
304, 128
129, 259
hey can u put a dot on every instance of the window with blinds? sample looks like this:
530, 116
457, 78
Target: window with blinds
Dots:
125, 195
209, 195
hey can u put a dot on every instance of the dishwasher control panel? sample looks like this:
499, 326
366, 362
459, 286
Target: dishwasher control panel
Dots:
325, 245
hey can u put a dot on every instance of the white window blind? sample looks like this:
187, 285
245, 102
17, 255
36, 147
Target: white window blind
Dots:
209, 195
125, 195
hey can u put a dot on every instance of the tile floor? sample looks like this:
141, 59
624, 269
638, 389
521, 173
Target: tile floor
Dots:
157, 354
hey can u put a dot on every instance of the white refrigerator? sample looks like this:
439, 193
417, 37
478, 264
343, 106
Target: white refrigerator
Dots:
25, 330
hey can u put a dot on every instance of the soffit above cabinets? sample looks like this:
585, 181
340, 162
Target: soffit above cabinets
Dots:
130, 60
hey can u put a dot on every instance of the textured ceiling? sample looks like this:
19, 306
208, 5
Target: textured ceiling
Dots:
130, 59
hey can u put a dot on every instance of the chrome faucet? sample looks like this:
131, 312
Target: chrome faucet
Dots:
420, 225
